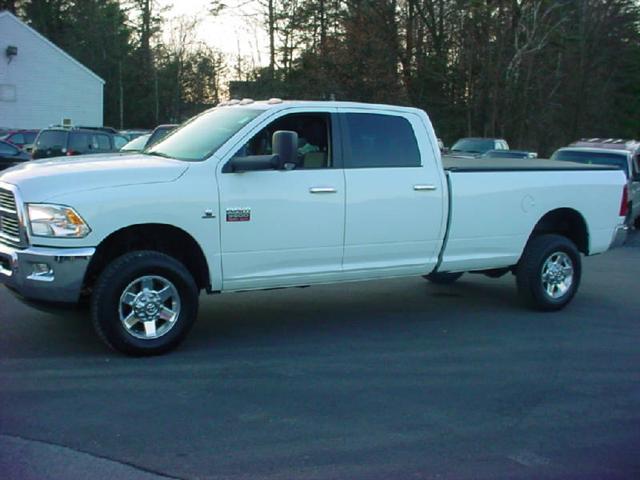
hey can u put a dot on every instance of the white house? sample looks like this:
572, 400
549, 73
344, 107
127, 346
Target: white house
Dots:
40, 84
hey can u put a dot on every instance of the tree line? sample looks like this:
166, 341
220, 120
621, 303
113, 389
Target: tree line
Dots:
539, 73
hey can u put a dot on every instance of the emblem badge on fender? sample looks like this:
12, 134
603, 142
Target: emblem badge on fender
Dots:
238, 214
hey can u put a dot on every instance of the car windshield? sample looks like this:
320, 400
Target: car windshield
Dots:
203, 135
472, 145
594, 158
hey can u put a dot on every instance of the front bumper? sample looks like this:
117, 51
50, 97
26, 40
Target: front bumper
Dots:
619, 236
45, 274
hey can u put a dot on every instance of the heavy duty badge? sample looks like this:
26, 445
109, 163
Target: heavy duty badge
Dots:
238, 214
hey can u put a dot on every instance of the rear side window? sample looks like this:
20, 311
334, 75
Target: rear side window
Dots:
29, 137
102, 142
79, 143
53, 139
380, 141
17, 138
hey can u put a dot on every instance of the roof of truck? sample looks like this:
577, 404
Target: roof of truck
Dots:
277, 102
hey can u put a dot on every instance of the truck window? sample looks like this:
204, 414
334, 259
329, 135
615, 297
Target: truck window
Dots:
314, 139
79, 142
380, 141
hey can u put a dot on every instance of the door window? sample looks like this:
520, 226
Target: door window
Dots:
79, 143
6, 149
380, 141
314, 139
102, 142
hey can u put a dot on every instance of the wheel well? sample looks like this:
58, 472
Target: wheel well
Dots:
566, 222
162, 238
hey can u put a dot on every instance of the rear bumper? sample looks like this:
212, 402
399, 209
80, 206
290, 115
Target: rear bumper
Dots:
619, 236
45, 274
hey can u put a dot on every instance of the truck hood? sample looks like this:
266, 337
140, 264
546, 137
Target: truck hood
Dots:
42, 180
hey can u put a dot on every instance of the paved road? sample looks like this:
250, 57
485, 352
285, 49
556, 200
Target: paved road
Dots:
384, 380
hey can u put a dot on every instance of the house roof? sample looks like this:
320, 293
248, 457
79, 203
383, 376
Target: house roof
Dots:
11, 16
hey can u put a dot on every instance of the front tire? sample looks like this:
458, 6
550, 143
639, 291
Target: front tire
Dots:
144, 303
549, 272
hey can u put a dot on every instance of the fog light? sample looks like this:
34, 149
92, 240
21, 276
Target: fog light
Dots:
41, 271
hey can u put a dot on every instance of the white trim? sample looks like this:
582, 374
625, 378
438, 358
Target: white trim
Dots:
8, 14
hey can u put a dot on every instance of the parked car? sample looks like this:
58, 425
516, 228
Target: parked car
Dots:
160, 132
624, 159
476, 146
133, 134
11, 155
57, 142
22, 139
509, 154
137, 144
207, 211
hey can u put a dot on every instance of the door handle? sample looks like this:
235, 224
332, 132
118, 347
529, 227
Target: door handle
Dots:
322, 190
424, 188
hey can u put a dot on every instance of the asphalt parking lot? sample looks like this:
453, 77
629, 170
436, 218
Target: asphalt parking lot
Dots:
394, 379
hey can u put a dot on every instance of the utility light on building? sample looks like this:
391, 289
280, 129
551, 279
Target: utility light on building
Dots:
11, 52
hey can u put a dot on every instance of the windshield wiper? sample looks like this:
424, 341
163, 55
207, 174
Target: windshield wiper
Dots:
157, 154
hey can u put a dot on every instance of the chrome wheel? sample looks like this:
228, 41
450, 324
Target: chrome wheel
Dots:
149, 307
557, 275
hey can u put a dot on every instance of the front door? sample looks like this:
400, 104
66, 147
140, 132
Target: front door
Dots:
284, 227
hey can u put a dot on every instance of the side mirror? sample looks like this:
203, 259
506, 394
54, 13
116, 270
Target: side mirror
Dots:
285, 146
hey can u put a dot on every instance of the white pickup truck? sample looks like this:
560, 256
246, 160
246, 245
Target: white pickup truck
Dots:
258, 195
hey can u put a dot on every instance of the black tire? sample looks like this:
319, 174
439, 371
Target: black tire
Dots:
529, 274
118, 277
443, 278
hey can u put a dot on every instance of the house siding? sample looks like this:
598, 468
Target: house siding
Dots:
48, 84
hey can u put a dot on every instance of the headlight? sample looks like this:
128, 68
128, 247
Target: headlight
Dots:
56, 221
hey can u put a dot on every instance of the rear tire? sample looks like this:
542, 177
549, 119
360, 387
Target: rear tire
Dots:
548, 274
443, 278
144, 303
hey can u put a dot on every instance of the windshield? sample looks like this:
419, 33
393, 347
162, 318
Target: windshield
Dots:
203, 135
472, 145
597, 158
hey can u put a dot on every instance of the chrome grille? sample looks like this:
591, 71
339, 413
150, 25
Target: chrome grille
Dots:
10, 233
7, 202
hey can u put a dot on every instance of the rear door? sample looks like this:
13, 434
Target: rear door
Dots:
395, 206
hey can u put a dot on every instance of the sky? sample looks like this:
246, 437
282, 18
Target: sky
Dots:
236, 30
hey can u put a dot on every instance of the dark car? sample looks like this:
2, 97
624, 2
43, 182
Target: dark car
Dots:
476, 146
159, 133
20, 138
11, 155
509, 154
58, 142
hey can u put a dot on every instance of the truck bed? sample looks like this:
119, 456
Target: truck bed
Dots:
460, 164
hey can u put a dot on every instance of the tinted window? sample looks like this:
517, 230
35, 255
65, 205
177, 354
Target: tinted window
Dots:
29, 137
595, 158
102, 142
51, 139
380, 141
79, 143
313, 139
6, 149
17, 138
